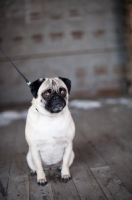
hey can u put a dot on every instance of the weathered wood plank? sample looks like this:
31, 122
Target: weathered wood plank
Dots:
19, 164
84, 179
86, 148
111, 184
60, 189
118, 159
18, 188
39, 192
7, 138
122, 128
3, 187
85, 154
108, 143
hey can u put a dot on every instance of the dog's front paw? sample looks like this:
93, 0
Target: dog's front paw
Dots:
66, 178
41, 180
65, 175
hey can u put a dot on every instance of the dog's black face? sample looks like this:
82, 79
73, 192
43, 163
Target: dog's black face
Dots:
55, 101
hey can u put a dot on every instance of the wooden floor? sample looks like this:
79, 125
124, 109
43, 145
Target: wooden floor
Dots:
102, 167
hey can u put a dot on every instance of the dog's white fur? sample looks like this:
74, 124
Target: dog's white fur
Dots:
49, 136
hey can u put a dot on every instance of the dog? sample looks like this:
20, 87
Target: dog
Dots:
50, 128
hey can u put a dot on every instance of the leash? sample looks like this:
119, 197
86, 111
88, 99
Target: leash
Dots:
26, 80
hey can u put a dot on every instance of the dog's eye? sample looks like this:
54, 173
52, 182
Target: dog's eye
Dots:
46, 94
63, 92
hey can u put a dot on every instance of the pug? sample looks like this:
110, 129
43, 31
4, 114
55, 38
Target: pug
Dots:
50, 128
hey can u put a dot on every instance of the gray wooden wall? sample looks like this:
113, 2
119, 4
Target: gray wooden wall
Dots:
79, 39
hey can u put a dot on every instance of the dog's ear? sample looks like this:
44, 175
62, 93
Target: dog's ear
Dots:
67, 83
34, 86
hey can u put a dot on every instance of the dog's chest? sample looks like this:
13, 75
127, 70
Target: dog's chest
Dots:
51, 135
50, 144
48, 134
52, 149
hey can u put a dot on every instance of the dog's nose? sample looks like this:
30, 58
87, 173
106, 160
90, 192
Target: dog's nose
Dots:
56, 97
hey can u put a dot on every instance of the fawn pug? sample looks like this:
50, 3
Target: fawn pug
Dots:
50, 128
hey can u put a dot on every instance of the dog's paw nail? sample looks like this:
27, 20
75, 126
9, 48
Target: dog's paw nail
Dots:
42, 182
46, 183
66, 178
33, 173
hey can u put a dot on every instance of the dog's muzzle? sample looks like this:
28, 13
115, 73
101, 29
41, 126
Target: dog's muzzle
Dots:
55, 103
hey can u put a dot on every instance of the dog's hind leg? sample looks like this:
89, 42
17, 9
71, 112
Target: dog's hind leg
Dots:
31, 164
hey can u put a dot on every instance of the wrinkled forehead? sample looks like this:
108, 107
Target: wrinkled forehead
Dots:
53, 83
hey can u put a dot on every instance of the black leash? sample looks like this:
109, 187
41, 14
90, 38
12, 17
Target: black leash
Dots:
27, 81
